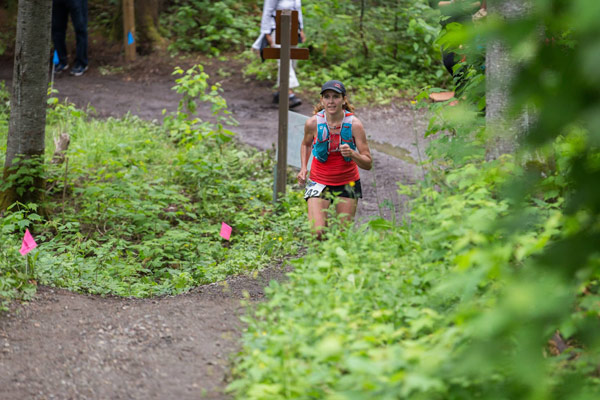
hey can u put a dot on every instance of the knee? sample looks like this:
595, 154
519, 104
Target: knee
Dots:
319, 234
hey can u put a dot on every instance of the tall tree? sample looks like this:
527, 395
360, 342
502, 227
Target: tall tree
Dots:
26, 131
146, 21
500, 70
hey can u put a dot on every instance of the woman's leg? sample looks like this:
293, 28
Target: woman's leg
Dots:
317, 214
346, 209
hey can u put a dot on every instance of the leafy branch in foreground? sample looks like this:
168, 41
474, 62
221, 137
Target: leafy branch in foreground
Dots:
453, 305
491, 288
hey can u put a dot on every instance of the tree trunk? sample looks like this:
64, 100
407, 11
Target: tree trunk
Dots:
146, 22
26, 131
499, 76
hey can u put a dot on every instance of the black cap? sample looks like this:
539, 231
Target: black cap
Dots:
334, 85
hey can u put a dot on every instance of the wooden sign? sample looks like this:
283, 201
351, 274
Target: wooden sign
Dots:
294, 28
286, 34
274, 53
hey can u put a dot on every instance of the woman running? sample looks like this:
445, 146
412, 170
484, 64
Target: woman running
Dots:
338, 143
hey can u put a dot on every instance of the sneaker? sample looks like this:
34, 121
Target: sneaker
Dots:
60, 67
78, 70
294, 101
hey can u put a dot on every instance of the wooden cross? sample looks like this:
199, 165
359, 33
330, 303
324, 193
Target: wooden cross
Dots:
286, 34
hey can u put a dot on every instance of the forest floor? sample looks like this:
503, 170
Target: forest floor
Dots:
64, 345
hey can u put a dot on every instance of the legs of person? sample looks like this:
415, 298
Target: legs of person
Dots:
294, 100
346, 209
60, 15
317, 214
448, 60
78, 9
293, 79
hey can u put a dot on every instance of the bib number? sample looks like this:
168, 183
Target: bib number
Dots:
313, 189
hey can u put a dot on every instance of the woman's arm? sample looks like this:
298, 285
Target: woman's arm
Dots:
362, 155
266, 23
300, 19
310, 129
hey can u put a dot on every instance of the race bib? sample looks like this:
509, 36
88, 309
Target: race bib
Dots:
313, 189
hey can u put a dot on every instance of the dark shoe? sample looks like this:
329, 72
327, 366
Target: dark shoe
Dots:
294, 101
60, 67
78, 70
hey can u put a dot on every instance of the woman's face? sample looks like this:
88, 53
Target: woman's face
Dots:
332, 101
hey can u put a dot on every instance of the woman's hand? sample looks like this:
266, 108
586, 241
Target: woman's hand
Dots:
301, 177
346, 150
362, 155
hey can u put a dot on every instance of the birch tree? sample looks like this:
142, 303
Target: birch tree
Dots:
500, 70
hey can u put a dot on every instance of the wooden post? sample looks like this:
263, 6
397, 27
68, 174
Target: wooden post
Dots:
129, 30
284, 101
286, 35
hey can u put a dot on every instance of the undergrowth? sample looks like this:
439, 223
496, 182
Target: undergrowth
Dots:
453, 304
490, 289
137, 208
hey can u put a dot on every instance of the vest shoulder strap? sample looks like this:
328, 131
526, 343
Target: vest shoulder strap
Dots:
348, 117
321, 117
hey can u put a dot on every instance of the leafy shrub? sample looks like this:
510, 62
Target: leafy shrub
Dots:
14, 270
453, 305
137, 212
211, 26
491, 287
184, 125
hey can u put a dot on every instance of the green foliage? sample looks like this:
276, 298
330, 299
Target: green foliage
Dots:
106, 16
453, 305
4, 40
4, 108
395, 48
394, 55
135, 214
8, 17
494, 259
210, 26
22, 175
458, 132
183, 126
15, 277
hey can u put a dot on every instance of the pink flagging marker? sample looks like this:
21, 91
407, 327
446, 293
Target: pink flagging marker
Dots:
225, 231
28, 243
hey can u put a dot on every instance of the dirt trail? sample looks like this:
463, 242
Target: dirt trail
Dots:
64, 345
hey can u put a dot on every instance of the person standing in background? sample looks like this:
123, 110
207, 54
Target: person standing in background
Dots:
267, 31
78, 10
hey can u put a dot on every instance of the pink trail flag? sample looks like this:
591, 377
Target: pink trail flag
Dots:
28, 243
225, 231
